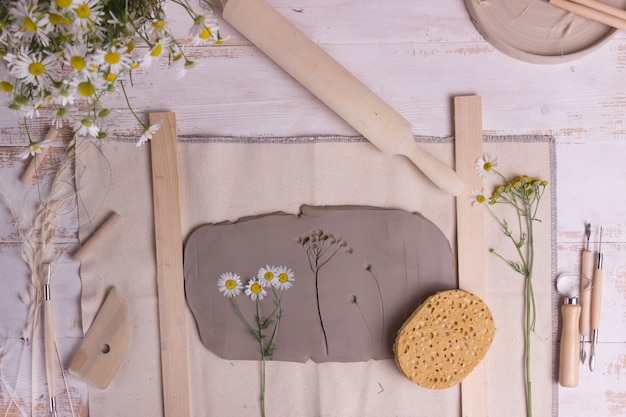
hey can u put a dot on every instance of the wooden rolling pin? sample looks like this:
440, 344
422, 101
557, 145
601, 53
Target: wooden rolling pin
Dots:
569, 351
335, 86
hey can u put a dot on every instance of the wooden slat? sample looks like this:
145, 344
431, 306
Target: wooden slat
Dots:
470, 234
169, 250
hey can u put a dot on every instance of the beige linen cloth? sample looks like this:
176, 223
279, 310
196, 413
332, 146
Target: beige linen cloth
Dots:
228, 178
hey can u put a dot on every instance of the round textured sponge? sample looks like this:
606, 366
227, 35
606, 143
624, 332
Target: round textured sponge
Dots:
444, 339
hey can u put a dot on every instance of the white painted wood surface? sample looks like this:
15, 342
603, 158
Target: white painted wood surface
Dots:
417, 55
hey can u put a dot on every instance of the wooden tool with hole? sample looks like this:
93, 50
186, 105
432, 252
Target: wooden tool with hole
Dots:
105, 345
335, 86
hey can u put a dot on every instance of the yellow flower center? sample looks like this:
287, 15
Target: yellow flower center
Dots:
205, 34
112, 58
282, 277
487, 166
29, 25
130, 47
34, 147
256, 288
110, 77
36, 69
6, 87
55, 19
156, 51
86, 89
268, 276
78, 63
158, 24
230, 284
63, 4
480, 198
83, 11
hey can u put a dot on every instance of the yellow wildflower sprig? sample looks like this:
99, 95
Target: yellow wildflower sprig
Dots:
523, 194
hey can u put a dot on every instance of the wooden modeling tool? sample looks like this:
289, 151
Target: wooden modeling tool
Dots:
49, 340
569, 354
37, 160
586, 276
594, 10
468, 132
596, 303
335, 86
169, 256
106, 342
101, 232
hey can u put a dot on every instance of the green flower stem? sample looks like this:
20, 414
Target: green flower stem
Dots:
143, 125
260, 339
254, 332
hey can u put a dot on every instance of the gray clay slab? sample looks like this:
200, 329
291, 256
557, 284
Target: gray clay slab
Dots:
396, 260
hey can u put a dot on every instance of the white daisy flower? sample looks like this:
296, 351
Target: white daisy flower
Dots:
60, 116
485, 166
64, 97
65, 5
230, 284
267, 276
32, 149
156, 51
203, 30
86, 86
478, 197
86, 128
255, 290
77, 57
285, 278
30, 21
115, 59
31, 68
88, 13
148, 132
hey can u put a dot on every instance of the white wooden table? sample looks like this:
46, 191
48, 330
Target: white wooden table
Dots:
417, 55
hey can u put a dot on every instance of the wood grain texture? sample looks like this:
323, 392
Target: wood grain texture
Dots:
468, 146
169, 255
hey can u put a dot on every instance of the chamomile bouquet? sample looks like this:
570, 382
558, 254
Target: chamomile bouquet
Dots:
60, 58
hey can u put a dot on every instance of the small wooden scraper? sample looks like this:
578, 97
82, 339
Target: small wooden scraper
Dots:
105, 344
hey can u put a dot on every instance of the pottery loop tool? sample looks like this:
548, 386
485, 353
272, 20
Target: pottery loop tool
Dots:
49, 340
106, 342
335, 86
569, 353
585, 293
596, 302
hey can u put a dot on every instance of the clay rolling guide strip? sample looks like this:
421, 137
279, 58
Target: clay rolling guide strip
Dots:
170, 285
468, 141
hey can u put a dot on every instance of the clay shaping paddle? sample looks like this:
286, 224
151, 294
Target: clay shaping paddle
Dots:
335, 86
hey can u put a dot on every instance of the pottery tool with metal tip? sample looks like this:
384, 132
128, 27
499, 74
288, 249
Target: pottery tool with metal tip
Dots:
335, 86
596, 302
106, 342
586, 274
49, 340
568, 287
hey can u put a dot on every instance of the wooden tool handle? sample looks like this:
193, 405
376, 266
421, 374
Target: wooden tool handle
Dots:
50, 347
97, 236
603, 7
334, 85
589, 13
569, 351
596, 299
37, 160
439, 173
585, 291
